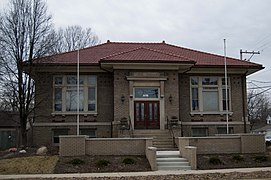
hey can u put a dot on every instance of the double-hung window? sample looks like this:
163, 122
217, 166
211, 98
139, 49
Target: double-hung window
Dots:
65, 94
208, 94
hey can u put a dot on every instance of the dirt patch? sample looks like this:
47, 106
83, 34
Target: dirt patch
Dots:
95, 164
28, 165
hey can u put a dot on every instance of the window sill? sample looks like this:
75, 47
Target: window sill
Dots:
211, 113
74, 113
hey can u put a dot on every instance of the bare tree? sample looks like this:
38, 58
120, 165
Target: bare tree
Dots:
26, 33
258, 107
75, 37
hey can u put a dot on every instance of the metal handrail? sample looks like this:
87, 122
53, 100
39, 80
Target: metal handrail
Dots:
171, 131
131, 132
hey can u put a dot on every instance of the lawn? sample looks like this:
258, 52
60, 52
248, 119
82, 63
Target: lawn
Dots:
29, 165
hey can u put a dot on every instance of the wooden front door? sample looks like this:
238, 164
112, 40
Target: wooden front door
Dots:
147, 115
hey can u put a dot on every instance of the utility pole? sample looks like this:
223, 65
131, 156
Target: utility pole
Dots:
244, 85
248, 52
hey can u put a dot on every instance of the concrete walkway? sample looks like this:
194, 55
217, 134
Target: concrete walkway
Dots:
130, 174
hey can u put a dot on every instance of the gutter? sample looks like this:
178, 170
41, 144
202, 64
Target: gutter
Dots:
244, 100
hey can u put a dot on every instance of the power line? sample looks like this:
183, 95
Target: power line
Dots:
264, 46
259, 87
260, 81
262, 39
260, 93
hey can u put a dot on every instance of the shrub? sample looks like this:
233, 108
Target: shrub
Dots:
238, 158
215, 161
261, 158
102, 163
128, 161
76, 162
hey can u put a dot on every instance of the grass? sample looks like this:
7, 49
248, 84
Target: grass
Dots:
238, 158
77, 162
215, 161
128, 161
260, 158
102, 163
28, 165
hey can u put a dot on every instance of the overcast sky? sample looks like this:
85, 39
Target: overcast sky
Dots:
196, 24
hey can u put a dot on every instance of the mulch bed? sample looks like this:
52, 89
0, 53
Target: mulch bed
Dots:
233, 161
141, 164
91, 164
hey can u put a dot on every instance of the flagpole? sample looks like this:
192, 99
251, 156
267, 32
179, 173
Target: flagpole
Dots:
78, 93
226, 87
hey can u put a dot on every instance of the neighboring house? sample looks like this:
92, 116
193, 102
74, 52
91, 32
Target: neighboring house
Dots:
265, 128
148, 83
9, 129
268, 120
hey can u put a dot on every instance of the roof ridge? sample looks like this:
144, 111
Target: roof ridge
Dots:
119, 53
170, 54
150, 49
122, 42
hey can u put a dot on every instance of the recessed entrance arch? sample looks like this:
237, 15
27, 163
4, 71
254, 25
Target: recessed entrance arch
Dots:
147, 103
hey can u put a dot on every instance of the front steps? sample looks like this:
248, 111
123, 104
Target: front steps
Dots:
162, 139
167, 155
171, 160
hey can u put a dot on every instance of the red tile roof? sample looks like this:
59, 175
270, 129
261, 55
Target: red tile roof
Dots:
144, 52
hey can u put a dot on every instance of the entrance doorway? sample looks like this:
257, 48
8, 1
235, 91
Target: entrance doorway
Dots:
147, 114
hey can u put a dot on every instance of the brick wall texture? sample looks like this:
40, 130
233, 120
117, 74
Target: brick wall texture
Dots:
238, 143
236, 107
118, 146
172, 88
44, 110
110, 109
72, 146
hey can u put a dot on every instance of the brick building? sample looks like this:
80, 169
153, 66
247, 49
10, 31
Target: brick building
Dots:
147, 84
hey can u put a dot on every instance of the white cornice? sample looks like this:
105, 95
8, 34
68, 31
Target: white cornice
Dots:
71, 68
146, 66
71, 124
213, 123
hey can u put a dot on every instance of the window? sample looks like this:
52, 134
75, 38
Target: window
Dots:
90, 132
200, 132
223, 130
65, 94
57, 133
208, 94
146, 92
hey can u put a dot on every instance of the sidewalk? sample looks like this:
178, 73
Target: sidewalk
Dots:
134, 174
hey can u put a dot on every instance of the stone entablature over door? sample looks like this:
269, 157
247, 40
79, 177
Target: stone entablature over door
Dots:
145, 80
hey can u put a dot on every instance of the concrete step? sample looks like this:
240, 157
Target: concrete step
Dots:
172, 164
162, 139
167, 149
152, 133
174, 168
171, 160
162, 142
167, 154
165, 146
